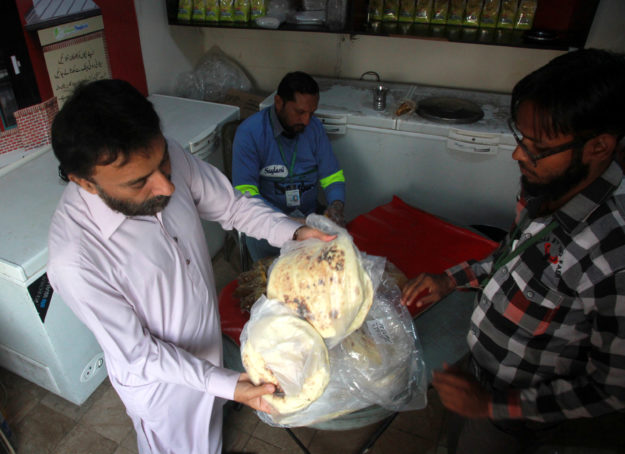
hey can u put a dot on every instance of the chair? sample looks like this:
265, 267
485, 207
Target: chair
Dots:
234, 236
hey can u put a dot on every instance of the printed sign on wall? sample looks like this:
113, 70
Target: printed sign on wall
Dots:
75, 60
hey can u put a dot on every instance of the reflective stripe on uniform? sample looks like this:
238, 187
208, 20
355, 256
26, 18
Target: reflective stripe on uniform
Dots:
336, 177
249, 188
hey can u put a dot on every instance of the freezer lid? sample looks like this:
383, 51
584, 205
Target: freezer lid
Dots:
496, 108
30, 194
189, 120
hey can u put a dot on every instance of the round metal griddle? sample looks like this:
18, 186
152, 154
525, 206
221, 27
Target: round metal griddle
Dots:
449, 110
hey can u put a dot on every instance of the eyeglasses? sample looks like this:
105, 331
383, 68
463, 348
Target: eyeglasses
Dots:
542, 152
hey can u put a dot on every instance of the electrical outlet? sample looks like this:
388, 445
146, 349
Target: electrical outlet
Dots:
92, 368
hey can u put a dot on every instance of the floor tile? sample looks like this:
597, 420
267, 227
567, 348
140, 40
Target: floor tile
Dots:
130, 442
341, 441
69, 409
122, 450
21, 396
107, 416
40, 431
83, 440
257, 446
243, 419
280, 437
394, 441
234, 440
425, 423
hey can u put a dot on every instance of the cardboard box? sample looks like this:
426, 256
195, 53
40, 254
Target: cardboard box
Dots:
248, 103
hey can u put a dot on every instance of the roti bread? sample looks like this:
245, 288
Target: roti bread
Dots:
325, 283
288, 352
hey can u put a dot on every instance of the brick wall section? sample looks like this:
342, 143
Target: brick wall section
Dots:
34, 123
10, 140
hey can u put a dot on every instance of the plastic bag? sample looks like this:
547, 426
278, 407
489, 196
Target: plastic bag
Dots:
379, 364
325, 282
382, 362
213, 76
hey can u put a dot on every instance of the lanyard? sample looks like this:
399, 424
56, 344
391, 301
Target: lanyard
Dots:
508, 255
282, 153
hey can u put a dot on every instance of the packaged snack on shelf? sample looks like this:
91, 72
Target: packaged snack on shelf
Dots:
456, 12
507, 14
490, 13
226, 10
375, 10
258, 9
390, 11
212, 10
241, 10
472, 13
440, 9
525, 14
199, 10
184, 9
406, 10
423, 11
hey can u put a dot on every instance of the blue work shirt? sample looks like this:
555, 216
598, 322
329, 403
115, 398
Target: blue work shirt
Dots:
259, 169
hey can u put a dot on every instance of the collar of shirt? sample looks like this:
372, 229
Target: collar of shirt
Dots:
107, 220
275, 121
582, 205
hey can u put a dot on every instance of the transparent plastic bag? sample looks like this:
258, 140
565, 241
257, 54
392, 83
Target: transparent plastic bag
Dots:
327, 283
382, 362
379, 364
212, 77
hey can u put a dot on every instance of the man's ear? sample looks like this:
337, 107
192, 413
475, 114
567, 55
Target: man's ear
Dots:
87, 185
278, 102
601, 147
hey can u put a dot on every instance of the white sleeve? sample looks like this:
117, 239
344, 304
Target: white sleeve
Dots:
218, 201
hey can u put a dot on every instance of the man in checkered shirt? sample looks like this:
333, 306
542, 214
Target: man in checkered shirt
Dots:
547, 336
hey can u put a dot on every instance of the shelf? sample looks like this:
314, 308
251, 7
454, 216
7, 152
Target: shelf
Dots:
357, 25
253, 26
460, 34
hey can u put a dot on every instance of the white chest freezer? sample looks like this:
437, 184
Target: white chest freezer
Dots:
40, 338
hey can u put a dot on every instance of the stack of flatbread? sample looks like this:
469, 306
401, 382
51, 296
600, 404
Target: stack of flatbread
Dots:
287, 351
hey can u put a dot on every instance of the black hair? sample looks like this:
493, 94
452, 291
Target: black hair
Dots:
297, 82
581, 93
100, 121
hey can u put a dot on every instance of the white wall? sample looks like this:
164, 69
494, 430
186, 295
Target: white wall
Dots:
167, 51
267, 55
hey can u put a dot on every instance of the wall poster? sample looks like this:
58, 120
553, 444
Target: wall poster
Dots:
75, 60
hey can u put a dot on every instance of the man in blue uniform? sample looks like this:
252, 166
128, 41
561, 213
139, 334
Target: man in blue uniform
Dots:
282, 154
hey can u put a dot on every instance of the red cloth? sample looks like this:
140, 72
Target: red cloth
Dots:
413, 240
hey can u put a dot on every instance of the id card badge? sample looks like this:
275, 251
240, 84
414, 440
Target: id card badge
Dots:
292, 197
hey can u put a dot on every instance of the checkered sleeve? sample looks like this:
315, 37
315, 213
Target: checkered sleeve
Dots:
600, 388
469, 274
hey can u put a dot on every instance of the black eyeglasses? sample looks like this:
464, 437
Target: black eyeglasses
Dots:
545, 152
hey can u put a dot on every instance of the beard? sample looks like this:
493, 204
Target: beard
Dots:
148, 207
290, 131
560, 185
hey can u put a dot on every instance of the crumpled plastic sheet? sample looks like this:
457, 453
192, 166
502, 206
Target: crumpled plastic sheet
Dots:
379, 364
212, 77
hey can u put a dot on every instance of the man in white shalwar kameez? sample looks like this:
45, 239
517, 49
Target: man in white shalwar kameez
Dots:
128, 255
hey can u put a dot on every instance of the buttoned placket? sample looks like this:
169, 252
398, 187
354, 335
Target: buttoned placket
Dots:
192, 270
